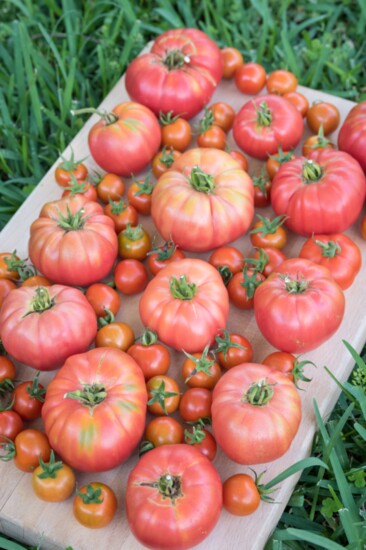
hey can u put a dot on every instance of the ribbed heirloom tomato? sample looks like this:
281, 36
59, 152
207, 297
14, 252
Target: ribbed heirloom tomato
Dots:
352, 134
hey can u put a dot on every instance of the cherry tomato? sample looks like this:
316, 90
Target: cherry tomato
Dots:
242, 286
6, 285
299, 101
7, 373
36, 280
110, 187
130, 276
164, 430
160, 257
214, 137
195, 404
176, 132
202, 439
241, 495
151, 356
7, 272
240, 158
29, 398
280, 360
139, 194
53, 481
10, 424
69, 167
200, 370
363, 227
164, 160
163, 395
319, 141
250, 78
323, 114
82, 187
133, 243
267, 259
233, 349
268, 232
122, 213
223, 115
102, 297
281, 82
232, 59
228, 260
275, 161
115, 335
95, 505
30, 445
262, 189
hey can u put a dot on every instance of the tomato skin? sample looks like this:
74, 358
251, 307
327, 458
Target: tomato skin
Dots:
7, 369
28, 407
127, 145
207, 446
277, 239
193, 322
281, 361
121, 213
313, 142
110, 187
54, 489
232, 60
158, 165
344, 265
44, 339
31, 444
234, 355
11, 424
63, 177
134, 243
164, 430
198, 378
4, 270
139, 199
155, 264
281, 82
113, 427
214, 218
228, 256
6, 286
286, 318
96, 515
153, 359
84, 188
240, 158
275, 259
213, 137
299, 101
240, 494
352, 134
177, 134
195, 404
363, 227
101, 297
36, 280
250, 433
130, 276
199, 505
171, 403
238, 294
250, 78
323, 114
150, 81
329, 204
259, 140
223, 115
115, 335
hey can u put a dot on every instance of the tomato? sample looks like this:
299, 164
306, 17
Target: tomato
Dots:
163, 394
275, 161
338, 253
42, 326
11, 424
36, 280
70, 167
134, 243
322, 113
163, 430
281, 82
321, 194
7, 261
233, 349
256, 413
115, 334
6, 286
299, 101
163, 161
82, 187
206, 190
316, 142
53, 481
267, 259
240, 495
110, 187
124, 140
179, 74
102, 297
130, 276
363, 227
160, 257
7, 374
200, 370
122, 213
288, 364
95, 408
299, 306
213, 137
195, 404
228, 260
28, 398
95, 505
176, 132
242, 287
73, 242
267, 232
232, 59
262, 189
29, 446
139, 194
250, 78
201, 439
266, 122
352, 134
240, 158
223, 115
186, 304
152, 357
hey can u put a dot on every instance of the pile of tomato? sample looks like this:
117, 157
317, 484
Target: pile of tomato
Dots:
113, 392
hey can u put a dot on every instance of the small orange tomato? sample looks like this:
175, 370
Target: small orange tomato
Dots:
139, 194
36, 280
200, 370
176, 132
240, 158
122, 213
268, 232
30, 444
241, 496
95, 505
7, 261
223, 115
233, 349
164, 160
299, 101
164, 430
163, 395
319, 141
110, 187
115, 334
53, 481
323, 114
281, 82
232, 59
363, 227
134, 243
274, 162
70, 167
250, 78
80, 187
103, 297
6, 285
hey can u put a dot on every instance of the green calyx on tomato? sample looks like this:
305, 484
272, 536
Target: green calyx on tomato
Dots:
268, 226
298, 372
226, 274
35, 391
117, 207
165, 251
70, 164
261, 181
322, 141
201, 181
159, 395
77, 186
145, 187
90, 395
91, 495
196, 434
206, 122
282, 157
169, 486
109, 118
224, 343
329, 249
311, 171
167, 118
182, 289
149, 337
259, 393
19, 266
7, 449
264, 115
202, 363
133, 233
250, 282
72, 222
167, 157
107, 319
49, 469
294, 286
41, 302
258, 263
175, 59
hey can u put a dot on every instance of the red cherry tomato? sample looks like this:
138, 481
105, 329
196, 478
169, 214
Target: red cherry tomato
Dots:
250, 78
281, 82
232, 59
130, 276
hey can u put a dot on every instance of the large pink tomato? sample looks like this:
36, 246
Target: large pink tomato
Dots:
352, 135
173, 498
299, 306
42, 326
323, 193
125, 140
256, 412
179, 74
73, 242
266, 123
187, 304
204, 201
95, 408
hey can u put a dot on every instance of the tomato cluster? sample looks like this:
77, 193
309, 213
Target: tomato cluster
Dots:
94, 255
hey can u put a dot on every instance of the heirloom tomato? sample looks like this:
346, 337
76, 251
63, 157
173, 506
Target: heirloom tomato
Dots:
173, 497
256, 413
152, 357
95, 408
53, 481
179, 74
95, 505
42, 326
187, 304
323, 193
250, 78
204, 201
299, 306
352, 134
73, 242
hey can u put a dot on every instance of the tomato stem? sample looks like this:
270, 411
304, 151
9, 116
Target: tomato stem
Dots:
294, 286
329, 249
311, 171
175, 59
109, 118
72, 222
42, 301
259, 393
149, 337
90, 395
169, 486
226, 274
165, 251
201, 181
133, 233
49, 469
264, 115
34, 391
224, 344
70, 164
182, 289
201, 364
91, 495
